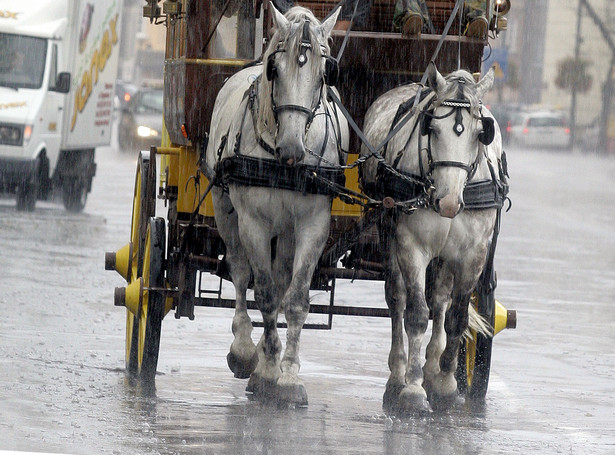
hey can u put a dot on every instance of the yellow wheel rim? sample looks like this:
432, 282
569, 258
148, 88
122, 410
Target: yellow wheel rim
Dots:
134, 238
138, 247
144, 305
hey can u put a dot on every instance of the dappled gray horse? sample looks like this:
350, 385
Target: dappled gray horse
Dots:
451, 141
272, 130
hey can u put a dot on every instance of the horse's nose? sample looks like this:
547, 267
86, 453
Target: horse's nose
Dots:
449, 206
290, 155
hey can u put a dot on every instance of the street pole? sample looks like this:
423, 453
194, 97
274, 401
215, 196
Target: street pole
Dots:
573, 101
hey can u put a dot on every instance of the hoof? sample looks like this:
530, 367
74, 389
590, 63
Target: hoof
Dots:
242, 368
292, 393
391, 395
279, 393
401, 401
262, 388
442, 403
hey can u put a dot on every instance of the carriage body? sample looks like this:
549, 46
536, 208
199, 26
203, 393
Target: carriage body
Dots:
376, 59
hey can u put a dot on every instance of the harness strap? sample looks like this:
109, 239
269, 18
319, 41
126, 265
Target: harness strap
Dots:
246, 170
479, 195
445, 163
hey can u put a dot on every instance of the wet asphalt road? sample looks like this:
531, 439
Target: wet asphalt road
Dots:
552, 388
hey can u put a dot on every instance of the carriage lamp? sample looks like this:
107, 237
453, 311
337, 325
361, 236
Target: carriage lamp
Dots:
502, 6
171, 7
146, 131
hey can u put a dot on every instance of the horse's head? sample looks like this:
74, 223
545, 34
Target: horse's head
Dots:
298, 67
455, 129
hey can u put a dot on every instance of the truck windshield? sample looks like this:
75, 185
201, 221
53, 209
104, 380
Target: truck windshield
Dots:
22, 61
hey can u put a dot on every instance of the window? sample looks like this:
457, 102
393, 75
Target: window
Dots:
22, 61
150, 101
547, 121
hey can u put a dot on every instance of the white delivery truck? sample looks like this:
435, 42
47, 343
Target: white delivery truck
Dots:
58, 65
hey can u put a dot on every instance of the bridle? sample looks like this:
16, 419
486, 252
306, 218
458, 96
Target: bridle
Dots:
485, 137
329, 77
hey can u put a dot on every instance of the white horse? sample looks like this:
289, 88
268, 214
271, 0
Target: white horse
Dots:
271, 123
451, 141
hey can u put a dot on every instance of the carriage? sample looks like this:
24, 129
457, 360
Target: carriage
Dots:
165, 259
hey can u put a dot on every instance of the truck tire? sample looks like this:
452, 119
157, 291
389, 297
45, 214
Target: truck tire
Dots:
74, 195
27, 191
44, 183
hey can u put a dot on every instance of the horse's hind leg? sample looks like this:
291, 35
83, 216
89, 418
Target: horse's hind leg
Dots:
242, 358
257, 245
404, 392
440, 299
443, 389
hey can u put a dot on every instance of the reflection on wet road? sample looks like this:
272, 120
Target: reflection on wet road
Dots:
62, 386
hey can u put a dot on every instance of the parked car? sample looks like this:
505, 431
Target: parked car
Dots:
140, 124
548, 129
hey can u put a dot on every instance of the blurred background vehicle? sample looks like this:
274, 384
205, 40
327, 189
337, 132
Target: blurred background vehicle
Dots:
542, 128
49, 131
124, 91
140, 124
504, 113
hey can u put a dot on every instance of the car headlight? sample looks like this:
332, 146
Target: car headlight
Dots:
146, 131
11, 134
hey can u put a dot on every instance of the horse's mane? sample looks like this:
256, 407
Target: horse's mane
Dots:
290, 41
460, 82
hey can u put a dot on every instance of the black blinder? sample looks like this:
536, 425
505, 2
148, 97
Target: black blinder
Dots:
488, 134
426, 123
332, 71
271, 70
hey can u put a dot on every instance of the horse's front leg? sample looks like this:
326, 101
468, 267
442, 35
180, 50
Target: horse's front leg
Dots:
242, 357
256, 240
404, 292
310, 235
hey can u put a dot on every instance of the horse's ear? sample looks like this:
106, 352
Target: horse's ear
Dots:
485, 83
279, 20
327, 26
436, 80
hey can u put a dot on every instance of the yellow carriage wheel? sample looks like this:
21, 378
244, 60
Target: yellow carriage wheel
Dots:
143, 208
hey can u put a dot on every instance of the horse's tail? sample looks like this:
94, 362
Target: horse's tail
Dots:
477, 323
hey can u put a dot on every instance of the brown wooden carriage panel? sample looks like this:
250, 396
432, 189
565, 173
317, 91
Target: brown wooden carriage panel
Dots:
192, 79
191, 86
381, 14
374, 63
